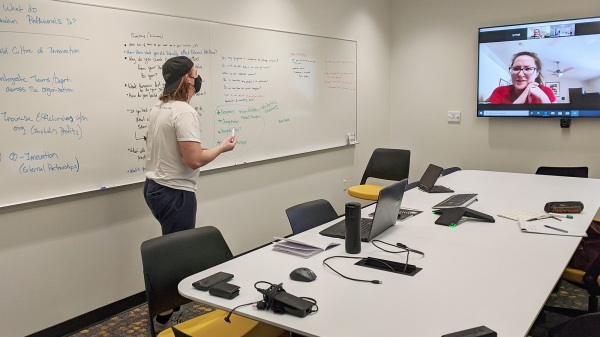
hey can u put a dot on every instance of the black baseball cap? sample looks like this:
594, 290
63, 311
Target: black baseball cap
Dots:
173, 70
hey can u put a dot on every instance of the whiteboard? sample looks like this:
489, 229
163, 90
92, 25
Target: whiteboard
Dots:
77, 83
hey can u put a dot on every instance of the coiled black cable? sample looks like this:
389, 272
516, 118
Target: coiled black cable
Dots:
268, 301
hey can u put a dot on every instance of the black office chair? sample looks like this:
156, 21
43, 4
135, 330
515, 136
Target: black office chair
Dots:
583, 326
579, 172
449, 170
310, 214
169, 259
387, 164
588, 280
411, 186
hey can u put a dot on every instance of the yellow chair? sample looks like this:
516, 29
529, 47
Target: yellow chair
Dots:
168, 259
213, 324
387, 164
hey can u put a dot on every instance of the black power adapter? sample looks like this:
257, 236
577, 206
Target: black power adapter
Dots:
278, 300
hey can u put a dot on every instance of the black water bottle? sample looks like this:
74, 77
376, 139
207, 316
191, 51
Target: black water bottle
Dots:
352, 228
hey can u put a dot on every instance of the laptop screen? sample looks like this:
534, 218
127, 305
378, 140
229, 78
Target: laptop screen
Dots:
387, 208
430, 177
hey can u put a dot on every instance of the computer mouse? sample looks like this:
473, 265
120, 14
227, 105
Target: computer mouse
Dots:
303, 274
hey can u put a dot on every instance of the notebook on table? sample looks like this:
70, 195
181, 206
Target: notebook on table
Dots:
386, 214
427, 181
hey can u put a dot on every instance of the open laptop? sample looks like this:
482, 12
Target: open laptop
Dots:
386, 214
427, 181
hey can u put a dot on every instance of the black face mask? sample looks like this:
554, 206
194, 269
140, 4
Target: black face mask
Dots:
197, 83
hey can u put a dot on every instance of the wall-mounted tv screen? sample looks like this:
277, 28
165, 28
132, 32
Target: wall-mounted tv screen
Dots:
547, 69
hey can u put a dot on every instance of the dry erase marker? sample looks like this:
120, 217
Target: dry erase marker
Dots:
567, 216
232, 133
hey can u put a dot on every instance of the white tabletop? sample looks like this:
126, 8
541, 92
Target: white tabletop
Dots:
477, 273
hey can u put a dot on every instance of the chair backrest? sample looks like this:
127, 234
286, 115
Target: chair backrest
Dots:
412, 185
580, 172
310, 214
170, 258
587, 325
388, 164
449, 170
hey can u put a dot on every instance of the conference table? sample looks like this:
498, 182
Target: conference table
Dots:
477, 273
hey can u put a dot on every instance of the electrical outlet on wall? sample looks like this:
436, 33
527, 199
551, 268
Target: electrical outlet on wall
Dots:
454, 116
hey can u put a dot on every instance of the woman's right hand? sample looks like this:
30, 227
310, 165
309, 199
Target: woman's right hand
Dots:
534, 90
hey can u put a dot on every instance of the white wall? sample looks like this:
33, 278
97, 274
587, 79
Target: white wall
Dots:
434, 70
64, 257
490, 79
593, 85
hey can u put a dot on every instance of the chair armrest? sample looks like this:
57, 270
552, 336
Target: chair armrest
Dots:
590, 279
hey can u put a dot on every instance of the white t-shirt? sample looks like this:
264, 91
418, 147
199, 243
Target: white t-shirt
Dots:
171, 123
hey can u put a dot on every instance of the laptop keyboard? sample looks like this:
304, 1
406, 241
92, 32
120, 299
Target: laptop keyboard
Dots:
365, 227
456, 200
440, 189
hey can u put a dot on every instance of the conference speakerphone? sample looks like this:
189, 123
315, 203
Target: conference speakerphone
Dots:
451, 216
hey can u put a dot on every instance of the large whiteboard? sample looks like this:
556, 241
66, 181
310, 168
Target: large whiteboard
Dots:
77, 82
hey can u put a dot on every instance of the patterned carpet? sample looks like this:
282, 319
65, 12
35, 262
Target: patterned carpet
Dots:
134, 322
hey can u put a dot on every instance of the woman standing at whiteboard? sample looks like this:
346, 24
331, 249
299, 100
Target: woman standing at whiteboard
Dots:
174, 156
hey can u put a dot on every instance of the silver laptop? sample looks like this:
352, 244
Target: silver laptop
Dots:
386, 214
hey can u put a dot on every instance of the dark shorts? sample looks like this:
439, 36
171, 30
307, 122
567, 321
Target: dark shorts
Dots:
174, 209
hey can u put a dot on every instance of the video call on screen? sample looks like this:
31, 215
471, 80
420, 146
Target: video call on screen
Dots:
569, 52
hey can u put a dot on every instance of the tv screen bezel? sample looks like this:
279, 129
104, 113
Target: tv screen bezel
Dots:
532, 110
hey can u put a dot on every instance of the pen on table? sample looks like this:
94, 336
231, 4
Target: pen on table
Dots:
545, 216
556, 229
564, 216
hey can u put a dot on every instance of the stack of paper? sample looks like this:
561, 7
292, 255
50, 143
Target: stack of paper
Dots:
304, 244
541, 227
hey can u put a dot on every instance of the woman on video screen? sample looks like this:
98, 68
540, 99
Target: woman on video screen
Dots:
526, 88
